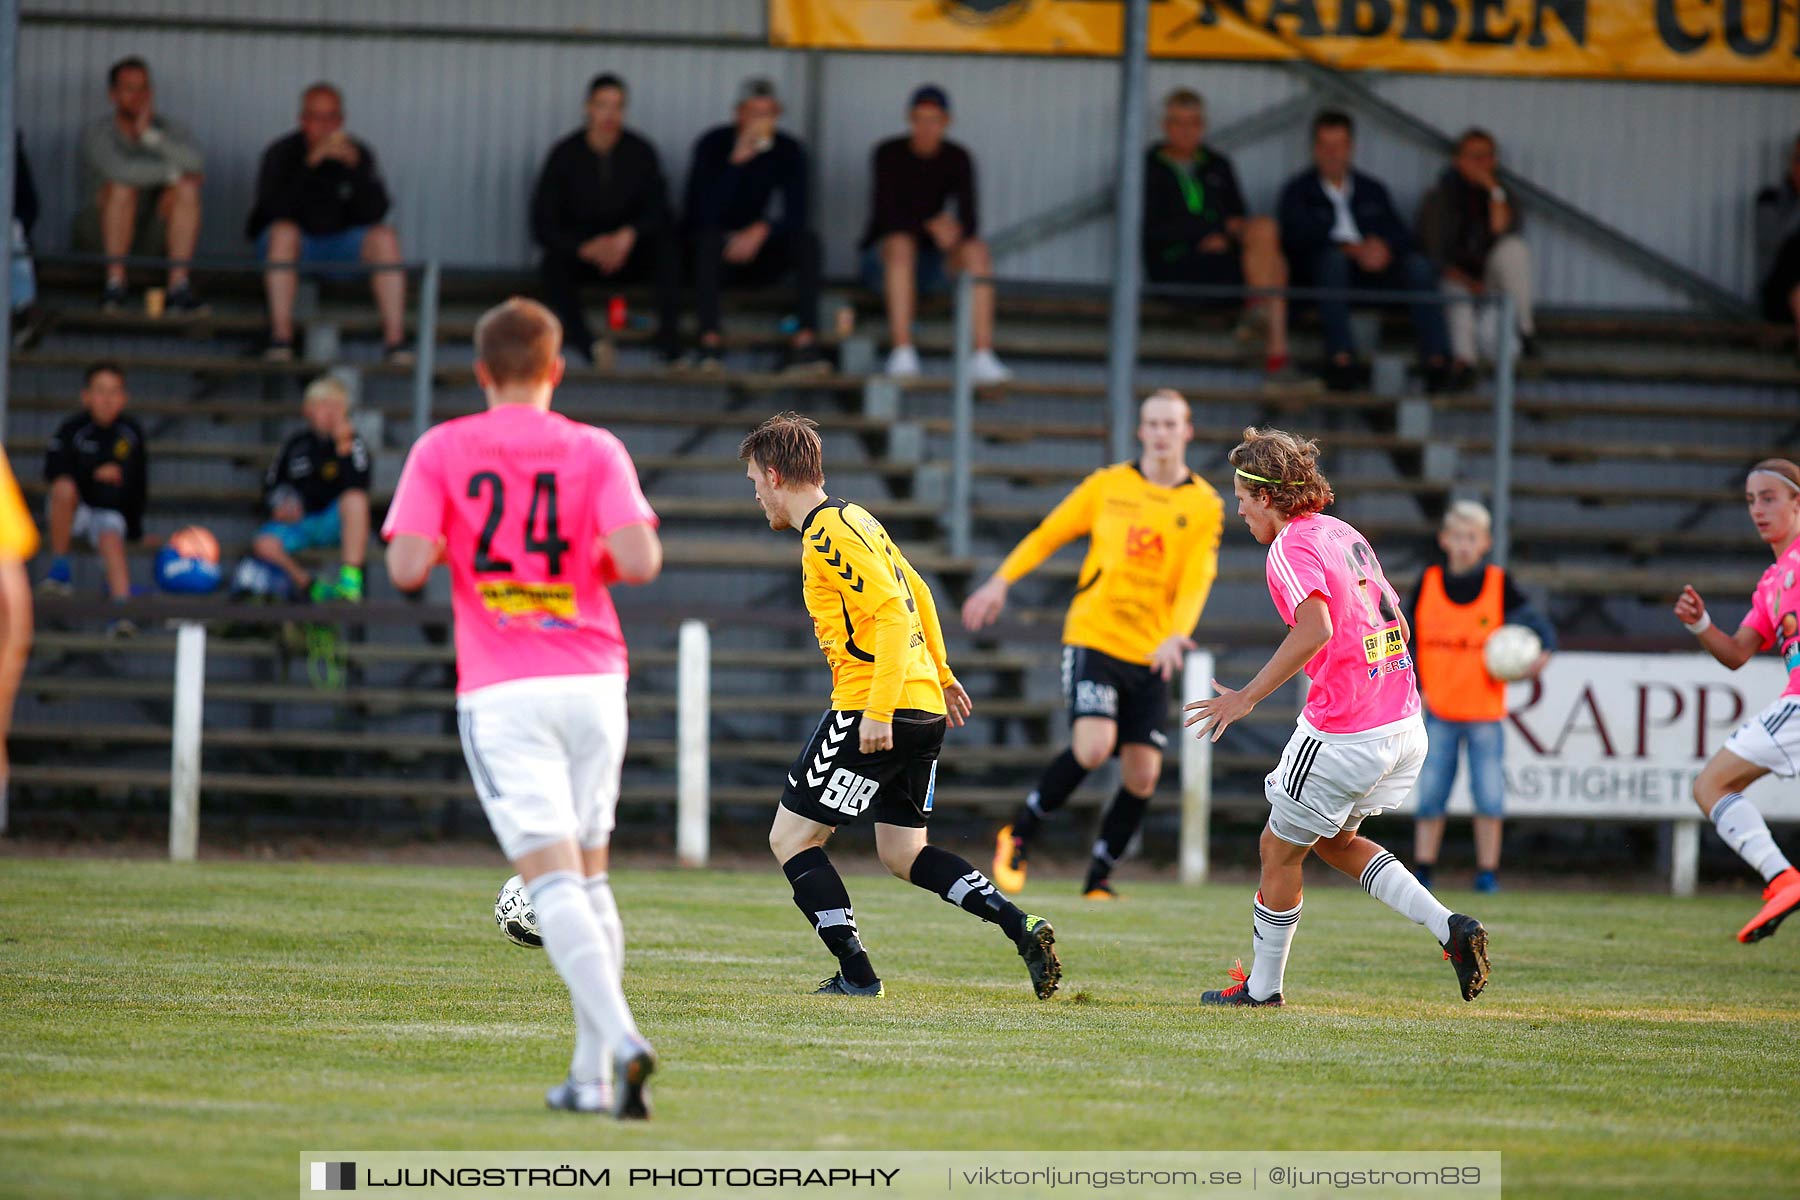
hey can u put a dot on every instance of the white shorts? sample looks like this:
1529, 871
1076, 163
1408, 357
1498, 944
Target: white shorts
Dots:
91, 523
1771, 739
1323, 788
545, 755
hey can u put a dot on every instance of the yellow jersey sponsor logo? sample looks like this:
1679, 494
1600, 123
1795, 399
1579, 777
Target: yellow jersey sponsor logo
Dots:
512, 599
1384, 644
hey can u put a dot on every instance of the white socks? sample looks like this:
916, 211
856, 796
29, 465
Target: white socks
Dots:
1392, 884
606, 911
1745, 831
584, 954
1273, 933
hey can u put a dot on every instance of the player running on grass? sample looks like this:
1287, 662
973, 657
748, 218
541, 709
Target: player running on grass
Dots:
1153, 550
892, 694
1770, 741
1360, 741
536, 515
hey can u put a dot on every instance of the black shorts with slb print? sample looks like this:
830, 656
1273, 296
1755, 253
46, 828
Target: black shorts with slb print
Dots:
833, 782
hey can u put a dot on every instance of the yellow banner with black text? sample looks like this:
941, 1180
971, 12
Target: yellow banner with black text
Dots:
1721, 41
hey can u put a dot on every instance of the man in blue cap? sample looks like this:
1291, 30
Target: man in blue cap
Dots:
922, 220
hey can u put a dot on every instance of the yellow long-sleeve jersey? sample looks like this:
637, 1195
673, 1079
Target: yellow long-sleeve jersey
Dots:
873, 615
1153, 553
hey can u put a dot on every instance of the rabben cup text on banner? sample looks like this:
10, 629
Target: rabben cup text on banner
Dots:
1713, 41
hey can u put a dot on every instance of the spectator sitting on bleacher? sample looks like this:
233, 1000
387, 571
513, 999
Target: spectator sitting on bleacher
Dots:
1469, 226
320, 199
141, 172
1198, 230
737, 237
1778, 245
600, 212
24, 277
97, 468
922, 220
317, 493
1339, 229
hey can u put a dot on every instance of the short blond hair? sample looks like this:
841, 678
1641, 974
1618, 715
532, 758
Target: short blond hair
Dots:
1469, 513
327, 387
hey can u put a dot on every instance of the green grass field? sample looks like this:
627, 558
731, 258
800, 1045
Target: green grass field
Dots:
187, 1031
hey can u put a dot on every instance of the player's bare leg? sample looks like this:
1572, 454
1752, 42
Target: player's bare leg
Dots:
1091, 742
583, 954
905, 852
1463, 938
1719, 791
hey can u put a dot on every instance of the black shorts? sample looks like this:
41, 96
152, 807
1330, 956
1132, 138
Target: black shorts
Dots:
833, 782
1133, 695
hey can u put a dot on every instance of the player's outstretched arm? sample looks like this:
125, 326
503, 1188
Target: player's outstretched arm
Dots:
1311, 630
1072, 518
1732, 650
410, 558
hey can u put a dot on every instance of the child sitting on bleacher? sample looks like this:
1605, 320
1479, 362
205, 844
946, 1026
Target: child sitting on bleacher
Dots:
96, 467
317, 493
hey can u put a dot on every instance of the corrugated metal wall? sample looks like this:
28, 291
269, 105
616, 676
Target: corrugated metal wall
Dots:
461, 124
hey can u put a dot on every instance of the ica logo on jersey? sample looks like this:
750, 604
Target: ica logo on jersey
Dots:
1144, 545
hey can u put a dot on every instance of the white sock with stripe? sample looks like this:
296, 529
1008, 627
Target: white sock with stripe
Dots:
583, 955
590, 1060
1273, 934
1392, 884
1745, 831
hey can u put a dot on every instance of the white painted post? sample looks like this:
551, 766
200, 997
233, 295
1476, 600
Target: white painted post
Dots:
184, 760
693, 720
1196, 771
1684, 858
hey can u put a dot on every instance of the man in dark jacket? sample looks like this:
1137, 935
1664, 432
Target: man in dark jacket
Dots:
320, 199
1469, 225
746, 221
1778, 245
1198, 230
600, 212
1339, 230
97, 467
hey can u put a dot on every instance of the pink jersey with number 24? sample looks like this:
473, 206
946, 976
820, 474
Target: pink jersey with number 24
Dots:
521, 500
1362, 681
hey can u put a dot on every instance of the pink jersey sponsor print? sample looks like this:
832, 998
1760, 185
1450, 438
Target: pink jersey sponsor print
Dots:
521, 500
1775, 613
1362, 681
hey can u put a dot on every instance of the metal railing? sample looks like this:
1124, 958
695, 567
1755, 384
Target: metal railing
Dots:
1123, 398
427, 292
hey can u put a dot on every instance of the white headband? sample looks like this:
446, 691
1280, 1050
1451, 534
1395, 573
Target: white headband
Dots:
1777, 475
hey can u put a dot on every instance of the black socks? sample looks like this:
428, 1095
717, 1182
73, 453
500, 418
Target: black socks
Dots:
1058, 783
1120, 824
821, 895
958, 882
